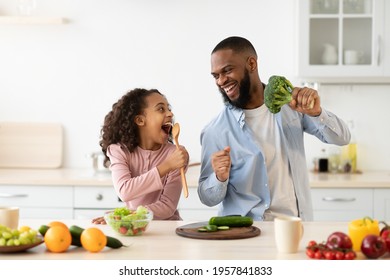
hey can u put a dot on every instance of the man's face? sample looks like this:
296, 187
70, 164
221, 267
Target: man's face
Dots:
231, 76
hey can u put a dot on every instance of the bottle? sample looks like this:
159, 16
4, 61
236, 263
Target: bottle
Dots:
323, 162
350, 151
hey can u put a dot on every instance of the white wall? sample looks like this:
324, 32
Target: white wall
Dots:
73, 73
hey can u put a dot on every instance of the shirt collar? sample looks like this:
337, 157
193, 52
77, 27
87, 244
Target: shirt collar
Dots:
238, 114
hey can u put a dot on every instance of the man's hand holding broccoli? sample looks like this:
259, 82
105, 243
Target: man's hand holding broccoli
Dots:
279, 91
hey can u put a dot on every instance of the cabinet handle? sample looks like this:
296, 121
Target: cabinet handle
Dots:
99, 197
335, 199
10, 195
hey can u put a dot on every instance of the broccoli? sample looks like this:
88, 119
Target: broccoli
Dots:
277, 93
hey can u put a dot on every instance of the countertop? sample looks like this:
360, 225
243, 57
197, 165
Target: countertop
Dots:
88, 177
160, 242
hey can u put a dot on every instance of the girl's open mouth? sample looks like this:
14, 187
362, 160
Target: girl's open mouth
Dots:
167, 128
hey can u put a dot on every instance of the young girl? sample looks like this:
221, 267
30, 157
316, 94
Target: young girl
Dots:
145, 165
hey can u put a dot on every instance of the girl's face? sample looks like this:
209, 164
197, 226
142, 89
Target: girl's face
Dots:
155, 122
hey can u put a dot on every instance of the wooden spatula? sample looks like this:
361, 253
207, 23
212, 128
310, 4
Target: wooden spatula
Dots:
175, 134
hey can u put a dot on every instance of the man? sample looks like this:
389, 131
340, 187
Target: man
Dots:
253, 161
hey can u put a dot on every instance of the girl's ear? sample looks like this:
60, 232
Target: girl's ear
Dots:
139, 120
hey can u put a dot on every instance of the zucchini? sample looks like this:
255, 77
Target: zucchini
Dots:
112, 242
231, 221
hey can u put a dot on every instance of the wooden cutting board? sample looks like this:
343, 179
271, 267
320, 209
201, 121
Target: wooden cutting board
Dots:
191, 231
30, 145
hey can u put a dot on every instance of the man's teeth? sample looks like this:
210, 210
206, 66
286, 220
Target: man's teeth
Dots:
227, 89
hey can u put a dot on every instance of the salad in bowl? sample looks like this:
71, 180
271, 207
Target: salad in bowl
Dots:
129, 222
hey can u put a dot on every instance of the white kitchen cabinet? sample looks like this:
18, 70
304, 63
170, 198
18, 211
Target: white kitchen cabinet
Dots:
51, 202
342, 204
382, 204
94, 201
191, 208
343, 41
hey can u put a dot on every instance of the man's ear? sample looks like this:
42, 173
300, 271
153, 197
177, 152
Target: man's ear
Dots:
139, 120
252, 64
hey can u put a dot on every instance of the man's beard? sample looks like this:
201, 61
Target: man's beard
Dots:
244, 94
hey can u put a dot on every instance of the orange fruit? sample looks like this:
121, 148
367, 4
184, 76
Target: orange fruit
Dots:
57, 223
93, 239
58, 239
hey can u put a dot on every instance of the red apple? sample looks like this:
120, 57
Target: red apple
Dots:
373, 246
339, 240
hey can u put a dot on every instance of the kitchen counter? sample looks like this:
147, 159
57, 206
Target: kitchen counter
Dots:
160, 242
87, 177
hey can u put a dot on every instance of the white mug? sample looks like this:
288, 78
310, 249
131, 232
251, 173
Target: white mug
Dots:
9, 217
353, 57
288, 233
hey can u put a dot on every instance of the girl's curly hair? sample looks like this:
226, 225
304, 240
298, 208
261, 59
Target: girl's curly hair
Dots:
119, 125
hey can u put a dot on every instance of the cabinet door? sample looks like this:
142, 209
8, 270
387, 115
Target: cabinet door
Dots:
51, 202
96, 197
341, 39
382, 204
191, 208
341, 204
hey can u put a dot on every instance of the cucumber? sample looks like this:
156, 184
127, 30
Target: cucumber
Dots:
231, 221
76, 231
112, 242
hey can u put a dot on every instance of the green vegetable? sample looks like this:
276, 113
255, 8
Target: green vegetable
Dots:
231, 221
211, 228
277, 93
121, 211
223, 227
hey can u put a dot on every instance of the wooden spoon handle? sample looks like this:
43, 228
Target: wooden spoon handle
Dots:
184, 182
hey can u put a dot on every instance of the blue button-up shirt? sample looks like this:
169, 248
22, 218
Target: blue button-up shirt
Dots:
246, 192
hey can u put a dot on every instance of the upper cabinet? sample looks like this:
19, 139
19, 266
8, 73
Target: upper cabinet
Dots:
343, 41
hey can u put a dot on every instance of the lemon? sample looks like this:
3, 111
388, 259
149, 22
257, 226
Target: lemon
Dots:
24, 228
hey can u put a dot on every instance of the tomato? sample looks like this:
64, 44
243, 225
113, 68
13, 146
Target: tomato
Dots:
123, 230
318, 255
350, 255
311, 243
330, 255
339, 255
310, 253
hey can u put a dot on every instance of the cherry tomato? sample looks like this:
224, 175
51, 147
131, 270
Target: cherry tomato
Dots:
330, 255
350, 255
310, 253
318, 255
311, 243
339, 255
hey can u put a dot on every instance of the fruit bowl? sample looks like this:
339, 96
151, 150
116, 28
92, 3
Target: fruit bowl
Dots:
130, 222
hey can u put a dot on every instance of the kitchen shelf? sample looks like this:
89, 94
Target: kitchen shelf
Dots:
31, 20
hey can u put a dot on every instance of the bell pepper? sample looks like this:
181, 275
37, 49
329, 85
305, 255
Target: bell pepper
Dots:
360, 228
